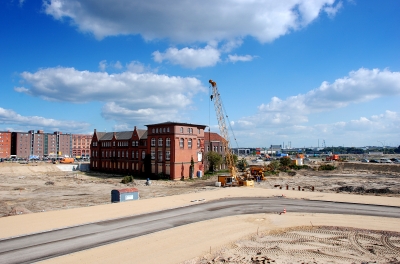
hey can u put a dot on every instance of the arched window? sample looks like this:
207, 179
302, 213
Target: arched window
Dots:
190, 143
198, 143
153, 142
143, 154
181, 143
168, 142
181, 129
160, 141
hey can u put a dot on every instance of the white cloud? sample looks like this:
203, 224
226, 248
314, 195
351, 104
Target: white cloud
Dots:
332, 10
190, 21
289, 118
102, 65
189, 57
360, 86
11, 117
236, 58
137, 96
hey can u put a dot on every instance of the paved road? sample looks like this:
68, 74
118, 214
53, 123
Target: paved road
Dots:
40, 246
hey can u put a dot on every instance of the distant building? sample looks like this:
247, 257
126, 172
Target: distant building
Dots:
28, 144
164, 149
274, 149
5, 144
81, 145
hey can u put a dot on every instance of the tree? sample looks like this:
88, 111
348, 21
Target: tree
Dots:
214, 160
242, 164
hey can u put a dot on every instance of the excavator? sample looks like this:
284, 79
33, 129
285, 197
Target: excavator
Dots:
233, 178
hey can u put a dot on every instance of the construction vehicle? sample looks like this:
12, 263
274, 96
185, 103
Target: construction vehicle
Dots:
332, 158
67, 160
233, 178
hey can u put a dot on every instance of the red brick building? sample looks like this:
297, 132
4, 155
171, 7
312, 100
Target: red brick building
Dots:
27, 144
214, 142
166, 148
81, 145
5, 144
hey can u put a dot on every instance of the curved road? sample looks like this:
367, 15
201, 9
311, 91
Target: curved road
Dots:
40, 246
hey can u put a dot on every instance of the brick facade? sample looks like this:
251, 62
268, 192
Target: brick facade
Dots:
40, 144
214, 142
169, 146
81, 145
5, 144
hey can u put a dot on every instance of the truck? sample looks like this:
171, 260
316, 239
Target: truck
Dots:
333, 157
67, 160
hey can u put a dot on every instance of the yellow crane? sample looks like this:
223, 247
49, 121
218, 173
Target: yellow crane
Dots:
233, 173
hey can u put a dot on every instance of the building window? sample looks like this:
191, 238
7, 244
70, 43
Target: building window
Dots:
168, 142
123, 154
190, 143
220, 148
163, 130
153, 142
208, 148
160, 141
181, 143
181, 130
152, 130
168, 129
167, 155
137, 154
198, 143
133, 154
157, 130
143, 154
153, 154
198, 131
159, 155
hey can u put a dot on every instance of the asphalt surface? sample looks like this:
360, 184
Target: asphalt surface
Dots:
41, 246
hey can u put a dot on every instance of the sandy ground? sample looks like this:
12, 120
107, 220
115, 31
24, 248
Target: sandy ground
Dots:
262, 238
39, 187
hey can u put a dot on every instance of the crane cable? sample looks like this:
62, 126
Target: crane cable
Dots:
225, 113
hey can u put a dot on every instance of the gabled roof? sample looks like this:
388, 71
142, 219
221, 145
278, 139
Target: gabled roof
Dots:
124, 135
211, 136
142, 133
176, 124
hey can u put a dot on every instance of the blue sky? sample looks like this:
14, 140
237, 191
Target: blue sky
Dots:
289, 72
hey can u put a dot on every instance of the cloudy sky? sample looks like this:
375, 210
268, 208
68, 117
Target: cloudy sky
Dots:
295, 72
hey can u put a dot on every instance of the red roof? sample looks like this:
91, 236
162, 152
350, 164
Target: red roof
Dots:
127, 190
211, 136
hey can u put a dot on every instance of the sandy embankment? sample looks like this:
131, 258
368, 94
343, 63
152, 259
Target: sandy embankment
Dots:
186, 242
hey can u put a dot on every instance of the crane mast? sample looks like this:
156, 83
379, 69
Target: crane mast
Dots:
223, 128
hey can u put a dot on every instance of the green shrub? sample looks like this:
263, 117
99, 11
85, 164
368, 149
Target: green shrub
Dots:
326, 167
127, 179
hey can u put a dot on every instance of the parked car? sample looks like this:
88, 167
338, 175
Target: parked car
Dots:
364, 160
396, 161
374, 161
385, 161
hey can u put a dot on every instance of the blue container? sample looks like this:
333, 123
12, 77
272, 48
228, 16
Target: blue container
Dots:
124, 195
199, 174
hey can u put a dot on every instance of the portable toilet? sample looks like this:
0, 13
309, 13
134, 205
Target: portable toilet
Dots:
124, 195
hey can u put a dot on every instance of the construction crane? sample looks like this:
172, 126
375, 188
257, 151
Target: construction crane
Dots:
215, 96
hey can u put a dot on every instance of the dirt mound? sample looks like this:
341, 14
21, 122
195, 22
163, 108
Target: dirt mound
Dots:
362, 189
18, 210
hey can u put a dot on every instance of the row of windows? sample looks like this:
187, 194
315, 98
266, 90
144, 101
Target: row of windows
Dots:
160, 155
120, 154
135, 143
160, 142
160, 130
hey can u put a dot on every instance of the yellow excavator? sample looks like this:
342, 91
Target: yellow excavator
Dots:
233, 178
